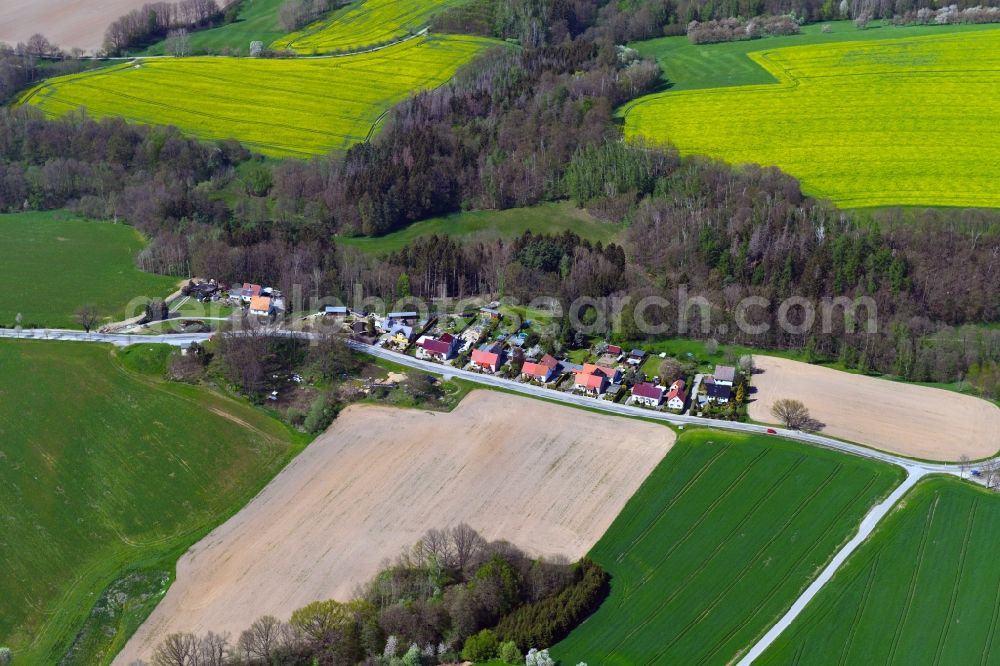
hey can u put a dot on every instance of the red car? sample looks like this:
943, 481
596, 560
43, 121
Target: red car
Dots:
772, 431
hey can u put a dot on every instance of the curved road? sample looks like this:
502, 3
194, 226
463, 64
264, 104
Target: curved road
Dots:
915, 469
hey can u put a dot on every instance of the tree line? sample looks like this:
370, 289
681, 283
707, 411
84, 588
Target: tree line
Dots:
515, 128
453, 595
153, 21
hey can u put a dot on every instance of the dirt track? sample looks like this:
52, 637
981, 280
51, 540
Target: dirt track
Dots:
915, 421
68, 23
550, 479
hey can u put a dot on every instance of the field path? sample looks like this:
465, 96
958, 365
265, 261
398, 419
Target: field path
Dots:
867, 526
549, 479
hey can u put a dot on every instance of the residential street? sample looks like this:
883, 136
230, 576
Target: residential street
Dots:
915, 470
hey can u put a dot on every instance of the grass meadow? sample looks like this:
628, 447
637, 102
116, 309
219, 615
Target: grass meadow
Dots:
54, 263
717, 543
257, 20
109, 473
492, 225
280, 108
887, 122
925, 588
363, 24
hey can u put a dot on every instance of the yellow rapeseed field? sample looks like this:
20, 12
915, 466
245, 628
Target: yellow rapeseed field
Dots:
912, 121
367, 24
293, 107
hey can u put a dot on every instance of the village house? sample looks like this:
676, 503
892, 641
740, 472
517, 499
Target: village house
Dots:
491, 313
636, 357
400, 334
437, 349
590, 383
613, 375
249, 291
543, 371
407, 318
725, 375
715, 391
488, 357
204, 291
647, 394
676, 397
261, 306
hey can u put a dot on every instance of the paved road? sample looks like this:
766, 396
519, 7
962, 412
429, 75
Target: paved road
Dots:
117, 339
676, 419
915, 470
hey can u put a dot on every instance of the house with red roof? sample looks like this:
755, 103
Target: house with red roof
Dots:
437, 349
676, 397
249, 291
543, 371
613, 375
590, 383
488, 357
647, 394
261, 306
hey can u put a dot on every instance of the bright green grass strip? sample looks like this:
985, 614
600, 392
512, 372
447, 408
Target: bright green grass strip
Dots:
894, 122
54, 263
717, 544
363, 24
925, 588
688, 66
257, 21
296, 107
491, 225
106, 469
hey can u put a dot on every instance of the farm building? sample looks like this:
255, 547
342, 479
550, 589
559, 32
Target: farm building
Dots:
676, 398
647, 394
488, 357
437, 349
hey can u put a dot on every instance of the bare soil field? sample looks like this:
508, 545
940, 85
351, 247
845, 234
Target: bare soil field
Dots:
911, 420
550, 479
68, 23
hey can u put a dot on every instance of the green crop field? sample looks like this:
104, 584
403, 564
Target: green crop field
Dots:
257, 20
54, 263
925, 588
717, 544
297, 107
892, 122
490, 225
363, 24
688, 66
107, 469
